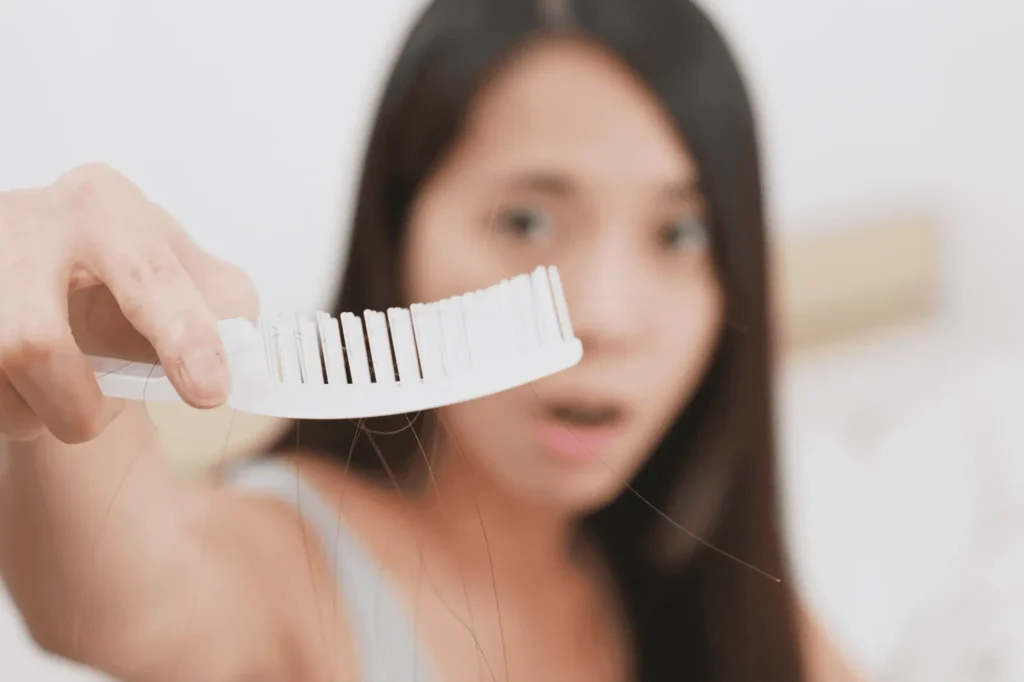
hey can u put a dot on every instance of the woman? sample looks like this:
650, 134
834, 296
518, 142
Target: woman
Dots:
612, 139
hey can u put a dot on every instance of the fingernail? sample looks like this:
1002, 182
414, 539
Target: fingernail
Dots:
205, 375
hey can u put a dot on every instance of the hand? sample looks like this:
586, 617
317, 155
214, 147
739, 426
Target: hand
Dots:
89, 265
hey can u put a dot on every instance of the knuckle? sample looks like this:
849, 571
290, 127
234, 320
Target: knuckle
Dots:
187, 331
33, 341
92, 175
132, 304
81, 428
88, 187
153, 264
146, 269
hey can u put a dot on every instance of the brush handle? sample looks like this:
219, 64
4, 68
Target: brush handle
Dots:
147, 381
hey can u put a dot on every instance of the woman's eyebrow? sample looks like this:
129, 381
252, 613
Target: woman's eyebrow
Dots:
555, 183
544, 182
686, 189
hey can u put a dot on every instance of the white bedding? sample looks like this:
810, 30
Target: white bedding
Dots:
905, 471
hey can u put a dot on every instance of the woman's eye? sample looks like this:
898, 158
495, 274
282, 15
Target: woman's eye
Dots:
688, 234
525, 222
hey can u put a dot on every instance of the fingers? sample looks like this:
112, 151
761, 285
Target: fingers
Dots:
227, 289
101, 329
160, 300
47, 373
98, 268
44, 378
129, 247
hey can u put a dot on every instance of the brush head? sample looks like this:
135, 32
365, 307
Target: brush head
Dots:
405, 360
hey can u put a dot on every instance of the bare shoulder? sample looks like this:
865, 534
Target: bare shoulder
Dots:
269, 553
823, 660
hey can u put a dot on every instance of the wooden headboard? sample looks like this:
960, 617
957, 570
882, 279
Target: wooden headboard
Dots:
840, 284
830, 287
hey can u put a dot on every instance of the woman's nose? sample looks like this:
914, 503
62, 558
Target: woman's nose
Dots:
603, 290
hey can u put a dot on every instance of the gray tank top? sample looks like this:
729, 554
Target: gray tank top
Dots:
384, 639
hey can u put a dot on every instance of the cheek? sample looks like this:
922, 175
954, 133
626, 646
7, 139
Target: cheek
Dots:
681, 350
440, 264
485, 428
699, 326
444, 254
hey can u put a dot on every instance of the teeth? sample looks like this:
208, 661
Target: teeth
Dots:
500, 319
560, 304
478, 346
510, 318
544, 305
453, 332
425, 342
402, 336
427, 323
525, 315
380, 346
333, 351
355, 348
284, 337
270, 350
309, 351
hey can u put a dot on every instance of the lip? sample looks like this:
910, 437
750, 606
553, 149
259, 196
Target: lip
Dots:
576, 443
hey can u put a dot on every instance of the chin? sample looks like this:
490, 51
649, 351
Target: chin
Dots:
513, 465
572, 495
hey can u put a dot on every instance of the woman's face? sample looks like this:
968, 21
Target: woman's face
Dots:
567, 161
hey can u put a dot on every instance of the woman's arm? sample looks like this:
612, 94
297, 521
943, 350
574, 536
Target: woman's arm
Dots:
115, 565
110, 559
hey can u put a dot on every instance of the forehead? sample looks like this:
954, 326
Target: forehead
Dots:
572, 108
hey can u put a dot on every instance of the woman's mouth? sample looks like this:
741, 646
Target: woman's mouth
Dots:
579, 431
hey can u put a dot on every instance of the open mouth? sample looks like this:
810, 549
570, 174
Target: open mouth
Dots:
584, 415
581, 431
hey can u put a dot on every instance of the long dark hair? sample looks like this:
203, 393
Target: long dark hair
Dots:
694, 614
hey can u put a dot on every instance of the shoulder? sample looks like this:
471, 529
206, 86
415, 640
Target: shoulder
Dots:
281, 558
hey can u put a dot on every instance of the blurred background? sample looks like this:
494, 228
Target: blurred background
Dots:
893, 139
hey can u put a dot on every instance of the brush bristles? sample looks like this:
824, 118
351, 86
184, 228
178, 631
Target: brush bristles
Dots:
427, 342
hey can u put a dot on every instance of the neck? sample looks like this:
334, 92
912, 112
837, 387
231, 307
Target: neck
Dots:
489, 530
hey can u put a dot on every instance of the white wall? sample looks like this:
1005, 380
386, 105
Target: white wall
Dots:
869, 104
905, 502
247, 118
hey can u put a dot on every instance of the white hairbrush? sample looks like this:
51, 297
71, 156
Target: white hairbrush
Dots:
426, 356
